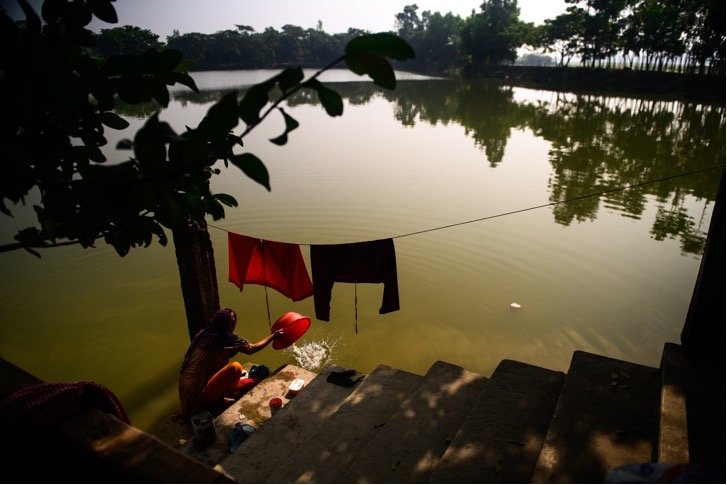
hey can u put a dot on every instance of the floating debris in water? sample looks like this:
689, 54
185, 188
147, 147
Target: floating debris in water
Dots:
514, 305
312, 355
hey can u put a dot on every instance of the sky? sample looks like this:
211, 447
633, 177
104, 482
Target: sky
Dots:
209, 16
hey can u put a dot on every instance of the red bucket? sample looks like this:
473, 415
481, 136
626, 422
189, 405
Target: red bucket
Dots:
293, 325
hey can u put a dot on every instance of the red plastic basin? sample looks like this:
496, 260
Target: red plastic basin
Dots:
293, 325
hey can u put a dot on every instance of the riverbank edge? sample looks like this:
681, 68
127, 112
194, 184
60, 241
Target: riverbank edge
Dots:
708, 89
684, 87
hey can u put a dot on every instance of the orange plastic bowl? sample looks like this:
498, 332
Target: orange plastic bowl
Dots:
293, 325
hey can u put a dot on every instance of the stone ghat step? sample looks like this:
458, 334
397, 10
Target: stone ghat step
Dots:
523, 424
692, 421
89, 446
606, 417
252, 408
673, 445
263, 452
408, 447
329, 452
501, 438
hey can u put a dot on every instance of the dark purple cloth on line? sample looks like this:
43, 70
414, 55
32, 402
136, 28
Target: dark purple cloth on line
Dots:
363, 262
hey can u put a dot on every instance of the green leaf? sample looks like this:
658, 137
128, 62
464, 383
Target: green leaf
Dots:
254, 100
331, 100
32, 251
78, 14
121, 244
103, 10
290, 125
95, 154
169, 59
4, 209
375, 65
184, 79
290, 122
149, 142
280, 140
112, 120
159, 231
171, 213
289, 78
130, 91
158, 91
216, 210
119, 65
384, 44
51, 10
125, 144
253, 167
226, 199
29, 236
148, 61
32, 21
221, 117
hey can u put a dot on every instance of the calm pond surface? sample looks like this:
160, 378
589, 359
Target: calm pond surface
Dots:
612, 274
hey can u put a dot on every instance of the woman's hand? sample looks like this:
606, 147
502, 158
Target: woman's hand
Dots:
264, 342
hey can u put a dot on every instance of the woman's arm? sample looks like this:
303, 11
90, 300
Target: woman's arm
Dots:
252, 348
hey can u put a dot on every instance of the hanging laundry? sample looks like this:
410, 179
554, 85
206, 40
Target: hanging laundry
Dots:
277, 265
365, 262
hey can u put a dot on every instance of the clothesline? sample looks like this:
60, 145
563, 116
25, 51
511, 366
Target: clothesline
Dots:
527, 209
281, 267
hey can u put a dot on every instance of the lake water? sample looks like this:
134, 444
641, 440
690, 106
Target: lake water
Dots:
446, 168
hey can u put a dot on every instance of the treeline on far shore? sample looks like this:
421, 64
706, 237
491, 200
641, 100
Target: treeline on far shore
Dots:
631, 39
685, 36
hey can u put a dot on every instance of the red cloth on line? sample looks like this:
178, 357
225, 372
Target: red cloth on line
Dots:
277, 265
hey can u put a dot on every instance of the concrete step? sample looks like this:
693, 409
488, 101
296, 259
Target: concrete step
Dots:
693, 408
410, 444
252, 408
501, 438
328, 453
673, 445
263, 452
606, 417
87, 446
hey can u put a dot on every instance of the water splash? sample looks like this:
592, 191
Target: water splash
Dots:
312, 355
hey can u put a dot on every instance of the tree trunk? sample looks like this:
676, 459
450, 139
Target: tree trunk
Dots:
197, 273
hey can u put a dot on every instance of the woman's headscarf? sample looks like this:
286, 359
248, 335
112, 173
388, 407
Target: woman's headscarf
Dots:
218, 333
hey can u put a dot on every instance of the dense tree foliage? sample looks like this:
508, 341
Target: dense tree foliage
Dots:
492, 36
680, 35
434, 37
244, 48
125, 40
58, 99
59, 95
561, 35
675, 35
57, 102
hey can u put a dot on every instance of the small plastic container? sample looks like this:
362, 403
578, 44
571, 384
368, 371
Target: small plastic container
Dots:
295, 387
203, 426
276, 404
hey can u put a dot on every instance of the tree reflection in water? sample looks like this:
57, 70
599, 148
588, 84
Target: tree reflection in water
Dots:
598, 144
